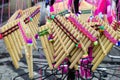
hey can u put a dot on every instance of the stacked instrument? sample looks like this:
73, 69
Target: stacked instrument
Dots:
19, 33
70, 38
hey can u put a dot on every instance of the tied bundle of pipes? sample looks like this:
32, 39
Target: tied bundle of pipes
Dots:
107, 38
32, 19
44, 32
23, 28
67, 32
69, 45
17, 36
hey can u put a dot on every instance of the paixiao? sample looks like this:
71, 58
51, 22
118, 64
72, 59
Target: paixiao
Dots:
63, 38
107, 38
32, 21
46, 44
68, 32
67, 43
27, 36
89, 35
15, 39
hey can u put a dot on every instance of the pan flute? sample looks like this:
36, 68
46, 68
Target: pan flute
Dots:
67, 36
46, 44
16, 36
73, 31
107, 38
32, 20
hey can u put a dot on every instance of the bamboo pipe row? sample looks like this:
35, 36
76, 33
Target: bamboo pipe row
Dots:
107, 45
105, 25
102, 40
14, 48
46, 48
79, 49
98, 53
32, 24
69, 49
87, 47
56, 35
55, 29
60, 33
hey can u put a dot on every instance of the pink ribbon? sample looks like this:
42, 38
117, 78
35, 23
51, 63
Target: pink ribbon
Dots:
108, 35
23, 33
82, 29
26, 39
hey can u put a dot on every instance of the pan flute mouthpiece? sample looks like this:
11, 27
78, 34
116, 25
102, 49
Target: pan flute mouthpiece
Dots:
1, 36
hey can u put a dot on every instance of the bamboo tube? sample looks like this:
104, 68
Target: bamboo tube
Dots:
30, 63
29, 57
10, 49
